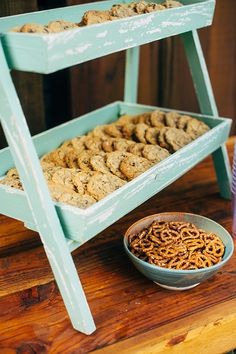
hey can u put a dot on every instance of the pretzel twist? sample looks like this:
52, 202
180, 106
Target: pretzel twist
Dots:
177, 245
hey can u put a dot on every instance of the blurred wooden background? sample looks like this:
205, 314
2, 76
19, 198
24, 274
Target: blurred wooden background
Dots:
164, 76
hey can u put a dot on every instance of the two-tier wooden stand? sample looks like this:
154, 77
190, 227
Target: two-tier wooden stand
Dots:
63, 228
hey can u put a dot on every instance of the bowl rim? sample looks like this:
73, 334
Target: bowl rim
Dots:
180, 271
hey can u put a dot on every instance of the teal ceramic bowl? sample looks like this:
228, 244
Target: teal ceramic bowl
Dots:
179, 279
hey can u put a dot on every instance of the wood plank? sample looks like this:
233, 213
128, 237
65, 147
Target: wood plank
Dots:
212, 330
126, 306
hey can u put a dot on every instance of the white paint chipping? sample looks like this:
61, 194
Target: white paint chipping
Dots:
104, 215
102, 34
129, 40
107, 43
172, 23
155, 30
78, 50
149, 179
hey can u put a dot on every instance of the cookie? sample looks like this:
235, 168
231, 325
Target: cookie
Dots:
169, 4
13, 173
196, 128
71, 158
65, 177
93, 143
177, 138
62, 195
182, 121
162, 138
34, 28
107, 145
151, 135
121, 144
155, 153
61, 25
171, 119
125, 119
142, 118
100, 185
136, 148
57, 189
99, 132
132, 166
157, 119
128, 131
140, 131
113, 130
82, 177
93, 17
80, 201
49, 172
12, 182
84, 160
141, 7
113, 162
98, 163
122, 10
56, 157
46, 165
77, 143
154, 7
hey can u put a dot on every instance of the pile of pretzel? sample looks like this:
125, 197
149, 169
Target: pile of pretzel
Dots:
177, 245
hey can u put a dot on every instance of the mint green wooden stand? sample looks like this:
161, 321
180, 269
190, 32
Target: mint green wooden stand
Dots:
63, 228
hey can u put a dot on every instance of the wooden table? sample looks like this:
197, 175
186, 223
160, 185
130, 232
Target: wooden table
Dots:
132, 314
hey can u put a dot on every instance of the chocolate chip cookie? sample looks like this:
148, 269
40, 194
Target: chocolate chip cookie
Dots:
113, 162
155, 153
100, 185
177, 138
132, 166
196, 128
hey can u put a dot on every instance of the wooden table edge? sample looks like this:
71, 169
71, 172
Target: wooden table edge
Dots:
213, 330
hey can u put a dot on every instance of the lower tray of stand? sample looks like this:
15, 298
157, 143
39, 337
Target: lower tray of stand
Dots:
81, 225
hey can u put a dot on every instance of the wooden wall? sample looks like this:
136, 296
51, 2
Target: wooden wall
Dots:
164, 75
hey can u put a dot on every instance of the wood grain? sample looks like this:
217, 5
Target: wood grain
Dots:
132, 314
218, 325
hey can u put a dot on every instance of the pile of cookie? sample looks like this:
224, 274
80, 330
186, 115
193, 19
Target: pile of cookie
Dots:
93, 17
87, 168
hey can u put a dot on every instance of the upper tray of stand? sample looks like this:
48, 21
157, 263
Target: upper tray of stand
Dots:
51, 52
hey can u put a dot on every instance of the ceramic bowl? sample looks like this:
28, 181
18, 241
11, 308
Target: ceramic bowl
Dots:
179, 279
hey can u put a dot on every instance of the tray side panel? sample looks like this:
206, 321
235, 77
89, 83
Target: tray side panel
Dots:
13, 203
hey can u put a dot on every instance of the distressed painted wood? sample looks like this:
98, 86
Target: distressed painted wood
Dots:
207, 105
131, 74
40, 204
48, 53
80, 225
132, 314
